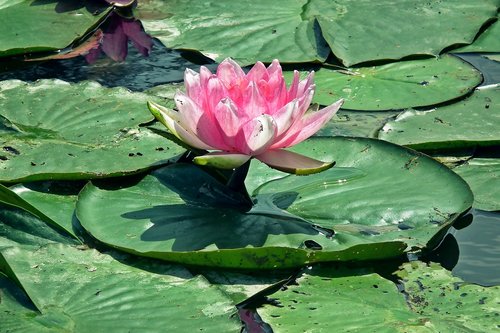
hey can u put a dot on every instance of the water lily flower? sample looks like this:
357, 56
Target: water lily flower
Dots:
239, 116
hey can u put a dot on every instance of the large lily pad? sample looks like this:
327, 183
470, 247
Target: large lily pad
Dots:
488, 41
51, 30
377, 207
259, 30
391, 194
327, 299
360, 31
397, 85
55, 130
84, 291
56, 199
472, 122
296, 30
483, 176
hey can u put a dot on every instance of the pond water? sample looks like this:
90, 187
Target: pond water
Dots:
471, 250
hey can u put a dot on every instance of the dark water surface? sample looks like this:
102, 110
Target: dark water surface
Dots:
471, 250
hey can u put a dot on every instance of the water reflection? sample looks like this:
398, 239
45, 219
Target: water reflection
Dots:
471, 249
136, 72
117, 31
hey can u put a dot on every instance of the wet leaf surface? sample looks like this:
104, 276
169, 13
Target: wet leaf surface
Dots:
55, 130
80, 290
396, 85
55, 27
203, 222
351, 300
483, 176
472, 122
305, 31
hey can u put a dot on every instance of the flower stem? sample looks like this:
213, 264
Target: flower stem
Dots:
237, 182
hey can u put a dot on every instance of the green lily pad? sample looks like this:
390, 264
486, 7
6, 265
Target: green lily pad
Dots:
297, 30
376, 207
55, 198
340, 300
203, 222
85, 291
356, 123
16, 308
50, 31
447, 302
483, 176
260, 30
19, 226
474, 121
361, 31
55, 130
394, 193
348, 300
488, 41
11, 198
397, 85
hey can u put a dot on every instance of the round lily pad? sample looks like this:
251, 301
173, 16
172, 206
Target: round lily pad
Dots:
51, 129
472, 122
56, 26
381, 201
396, 85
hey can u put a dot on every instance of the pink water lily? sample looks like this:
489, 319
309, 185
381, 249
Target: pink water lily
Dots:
239, 116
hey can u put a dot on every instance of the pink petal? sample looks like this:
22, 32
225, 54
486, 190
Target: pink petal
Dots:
258, 72
226, 115
253, 103
305, 84
279, 94
256, 135
222, 160
307, 126
192, 83
198, 122
306, 99
215, 92
292, 91
274, 69
170, 119
291, 162
286, 116
205, 74
229, 72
